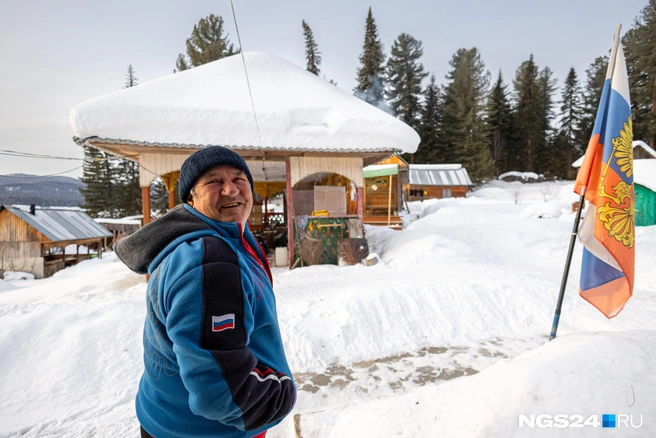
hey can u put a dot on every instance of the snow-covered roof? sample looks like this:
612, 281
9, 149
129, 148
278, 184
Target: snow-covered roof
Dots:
522, 175
439, 175
210, 105
636, 143
644, 173
380, 170
128, 220
60, 223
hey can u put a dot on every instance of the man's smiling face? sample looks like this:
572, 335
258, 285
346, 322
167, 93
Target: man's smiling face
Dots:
224, 194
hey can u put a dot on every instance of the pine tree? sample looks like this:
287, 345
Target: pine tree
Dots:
98, 175
208, 42
596, 76
571, 113
465, 134
430, 150
312, 53
404, 75
528, 129
639, 44
370, 87
548, 157
499, 120
181, 64
126, 187
130, 79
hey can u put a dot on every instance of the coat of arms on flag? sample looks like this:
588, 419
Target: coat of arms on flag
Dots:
223, 322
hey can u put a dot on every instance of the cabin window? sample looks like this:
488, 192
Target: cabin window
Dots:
446, 193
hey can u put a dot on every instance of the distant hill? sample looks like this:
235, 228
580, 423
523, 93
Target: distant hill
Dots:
45, 191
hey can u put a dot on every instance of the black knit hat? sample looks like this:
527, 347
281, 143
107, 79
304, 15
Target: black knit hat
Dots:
205, 159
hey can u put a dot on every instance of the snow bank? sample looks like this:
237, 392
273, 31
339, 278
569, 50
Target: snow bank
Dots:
491, 193
17, 275
4, 286
589, 373
548, 210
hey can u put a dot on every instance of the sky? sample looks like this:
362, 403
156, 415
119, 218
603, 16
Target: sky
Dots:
59, 54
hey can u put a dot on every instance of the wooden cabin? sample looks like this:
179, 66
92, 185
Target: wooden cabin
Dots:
295, 130
34, 239
430, 181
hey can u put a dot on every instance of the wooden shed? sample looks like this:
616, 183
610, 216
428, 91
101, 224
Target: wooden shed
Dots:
295, 130
34, 239
429, 181
383, 193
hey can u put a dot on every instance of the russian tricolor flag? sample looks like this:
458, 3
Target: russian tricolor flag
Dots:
223, 322
606, 179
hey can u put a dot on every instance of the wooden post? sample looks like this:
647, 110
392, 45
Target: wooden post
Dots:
145, 203
361, 206
290, 215
389, 200
171, 199
364, 197
169, 181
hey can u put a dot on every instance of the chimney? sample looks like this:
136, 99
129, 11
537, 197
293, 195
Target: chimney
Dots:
33, 209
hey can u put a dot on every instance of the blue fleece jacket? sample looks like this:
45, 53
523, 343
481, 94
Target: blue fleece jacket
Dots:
214, 359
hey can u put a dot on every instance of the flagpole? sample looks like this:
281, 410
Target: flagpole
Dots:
568, 262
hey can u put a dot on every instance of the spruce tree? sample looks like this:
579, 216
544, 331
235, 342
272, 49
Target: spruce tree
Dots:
465, 134
404, 75
312, 53
126, 187
528, 129
208, 42
370, 87
98, 176
130, 78
181, 64
548, 157
571, 113
430, 150
639, 44
499, 120
596, 76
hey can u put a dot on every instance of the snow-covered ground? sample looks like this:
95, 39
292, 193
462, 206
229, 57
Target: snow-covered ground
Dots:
446, 336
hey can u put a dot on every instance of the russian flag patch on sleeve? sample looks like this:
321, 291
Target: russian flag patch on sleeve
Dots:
223, 322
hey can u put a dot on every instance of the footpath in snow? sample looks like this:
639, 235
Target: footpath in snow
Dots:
446, 336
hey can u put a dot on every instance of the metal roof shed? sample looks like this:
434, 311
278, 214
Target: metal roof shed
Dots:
34, 239
428, 181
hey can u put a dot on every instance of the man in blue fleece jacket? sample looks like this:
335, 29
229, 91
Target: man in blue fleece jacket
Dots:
214, 360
